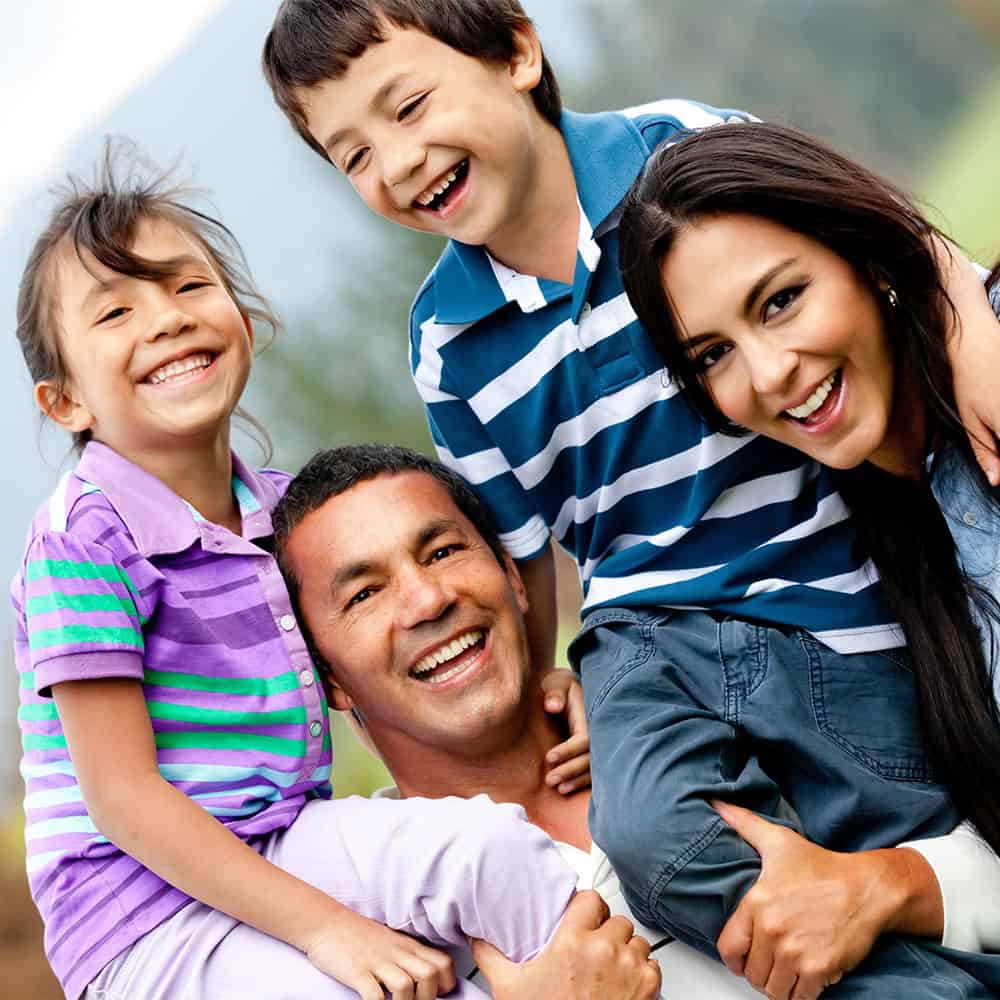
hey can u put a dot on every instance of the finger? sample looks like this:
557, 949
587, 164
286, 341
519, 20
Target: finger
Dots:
575, 784
619, 930
640, 946
586, 911
555, 702
368, 988
759, 833
576, 712
570, 770
558, 680
652, 980
442, 964
570, 748
983, 447
424, 977
782, 981
735, 939
492, 962
398, 982
759, 960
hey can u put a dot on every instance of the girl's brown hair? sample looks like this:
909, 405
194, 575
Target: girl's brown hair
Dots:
100, 218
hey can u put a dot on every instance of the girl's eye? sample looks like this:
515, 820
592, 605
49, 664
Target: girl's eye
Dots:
407, 109
112, 314
712, 356
780, 301
193, 285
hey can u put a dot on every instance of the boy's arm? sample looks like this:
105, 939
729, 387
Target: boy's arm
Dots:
110, 738
974, 352
542, 619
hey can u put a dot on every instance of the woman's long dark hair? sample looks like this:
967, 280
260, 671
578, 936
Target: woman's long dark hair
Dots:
790, 178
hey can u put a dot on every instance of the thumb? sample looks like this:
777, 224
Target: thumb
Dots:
492, 963
980, 437
759, 833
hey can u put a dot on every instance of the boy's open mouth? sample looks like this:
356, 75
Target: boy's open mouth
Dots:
450, 658
437, 197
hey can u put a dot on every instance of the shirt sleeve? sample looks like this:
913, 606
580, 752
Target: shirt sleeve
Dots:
463, 444
968, 873
81, 612
662, 120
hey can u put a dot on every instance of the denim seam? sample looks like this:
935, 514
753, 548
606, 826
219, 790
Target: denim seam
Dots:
640, 657
930, 974
898, 772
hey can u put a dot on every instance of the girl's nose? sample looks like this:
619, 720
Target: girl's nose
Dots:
169, 323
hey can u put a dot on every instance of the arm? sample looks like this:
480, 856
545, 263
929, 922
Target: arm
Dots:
974, 353
111, 743
539, 578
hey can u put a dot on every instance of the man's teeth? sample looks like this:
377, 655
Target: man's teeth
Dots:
815, 401
442, 185
174, 369
445, 653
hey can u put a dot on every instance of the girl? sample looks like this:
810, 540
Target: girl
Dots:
793, 293
180, 837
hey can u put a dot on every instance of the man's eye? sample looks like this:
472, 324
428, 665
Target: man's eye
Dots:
361, 595
113, 314
712, 356
780, 301
407, 109
443, 552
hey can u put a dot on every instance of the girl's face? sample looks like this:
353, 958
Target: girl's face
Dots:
786, 336
152, 366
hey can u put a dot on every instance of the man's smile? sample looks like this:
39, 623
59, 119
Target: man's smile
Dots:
451, 658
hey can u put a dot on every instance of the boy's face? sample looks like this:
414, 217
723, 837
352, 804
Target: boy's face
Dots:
433, 139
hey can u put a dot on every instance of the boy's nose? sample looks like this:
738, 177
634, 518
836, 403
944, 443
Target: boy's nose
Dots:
400, 161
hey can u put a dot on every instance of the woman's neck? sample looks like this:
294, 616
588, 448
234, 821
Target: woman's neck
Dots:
904, 448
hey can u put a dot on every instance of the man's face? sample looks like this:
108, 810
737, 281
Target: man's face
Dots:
421, 625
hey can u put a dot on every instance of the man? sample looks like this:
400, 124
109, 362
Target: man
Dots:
417, 615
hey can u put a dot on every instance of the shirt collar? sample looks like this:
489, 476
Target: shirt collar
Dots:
158, 520
606, 153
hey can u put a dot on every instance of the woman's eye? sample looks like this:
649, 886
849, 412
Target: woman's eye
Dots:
407, 109
712, 356
113, 314
780, 301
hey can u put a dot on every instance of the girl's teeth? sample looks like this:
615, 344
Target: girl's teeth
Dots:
815, 401
177, 368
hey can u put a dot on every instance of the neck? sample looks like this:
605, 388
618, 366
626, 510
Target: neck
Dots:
904, 447
512, 770
201, 474
542, 239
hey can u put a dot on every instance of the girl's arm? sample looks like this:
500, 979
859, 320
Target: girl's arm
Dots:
974, 352
110, 739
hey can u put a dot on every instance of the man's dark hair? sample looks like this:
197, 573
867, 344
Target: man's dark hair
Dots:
315, 40
329, 473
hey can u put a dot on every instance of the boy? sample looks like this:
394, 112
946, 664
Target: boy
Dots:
542, 390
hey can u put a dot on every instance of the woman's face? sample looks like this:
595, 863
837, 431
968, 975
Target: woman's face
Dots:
788, 339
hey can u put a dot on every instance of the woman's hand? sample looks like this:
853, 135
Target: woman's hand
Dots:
370, 959
812, 915
569, 761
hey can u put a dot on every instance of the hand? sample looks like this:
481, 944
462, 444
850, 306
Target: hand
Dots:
974, 353
812, 915
569, 760
366, 956
589, 958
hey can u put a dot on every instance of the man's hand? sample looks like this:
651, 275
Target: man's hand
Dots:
570, 760
589, 958
367, 957
813, 914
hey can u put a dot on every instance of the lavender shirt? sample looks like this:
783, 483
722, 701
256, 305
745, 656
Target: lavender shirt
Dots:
121, 578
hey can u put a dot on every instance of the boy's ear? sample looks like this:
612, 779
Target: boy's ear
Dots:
59, 404
526, 63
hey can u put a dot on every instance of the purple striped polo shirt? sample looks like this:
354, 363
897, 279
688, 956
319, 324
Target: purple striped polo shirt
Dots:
122, 578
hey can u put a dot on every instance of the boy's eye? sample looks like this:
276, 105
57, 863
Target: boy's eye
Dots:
407, 109
711, 356
112, 314
780, 301
353, 161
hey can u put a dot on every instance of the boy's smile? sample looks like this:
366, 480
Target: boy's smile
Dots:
436, 140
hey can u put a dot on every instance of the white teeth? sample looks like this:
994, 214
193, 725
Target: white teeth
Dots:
431, 193
174, 369
445, 653
815, 401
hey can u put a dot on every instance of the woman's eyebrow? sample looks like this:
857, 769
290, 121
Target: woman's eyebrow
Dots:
763, 281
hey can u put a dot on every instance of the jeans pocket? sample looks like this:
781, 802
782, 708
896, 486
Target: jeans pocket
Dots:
867, 704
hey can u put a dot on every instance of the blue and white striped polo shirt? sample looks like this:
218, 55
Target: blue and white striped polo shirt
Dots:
551, 401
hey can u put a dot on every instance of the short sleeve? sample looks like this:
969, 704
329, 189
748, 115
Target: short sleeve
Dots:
81, 612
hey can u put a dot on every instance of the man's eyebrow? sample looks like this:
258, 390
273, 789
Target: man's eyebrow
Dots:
435, 529
378, 98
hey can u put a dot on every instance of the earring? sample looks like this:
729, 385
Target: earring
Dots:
892, 297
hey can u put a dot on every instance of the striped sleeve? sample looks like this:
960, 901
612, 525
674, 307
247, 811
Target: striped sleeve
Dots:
464, 445
79, 601
661, 120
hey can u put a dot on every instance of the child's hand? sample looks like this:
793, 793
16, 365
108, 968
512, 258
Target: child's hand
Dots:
367, 957
570, 760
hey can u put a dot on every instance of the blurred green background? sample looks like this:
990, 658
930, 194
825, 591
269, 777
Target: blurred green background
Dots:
912, 87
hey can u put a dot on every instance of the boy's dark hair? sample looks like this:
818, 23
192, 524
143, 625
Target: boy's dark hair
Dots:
334, 471
100, 218
315, 40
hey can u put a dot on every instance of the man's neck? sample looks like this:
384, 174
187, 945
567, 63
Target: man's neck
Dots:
514, 773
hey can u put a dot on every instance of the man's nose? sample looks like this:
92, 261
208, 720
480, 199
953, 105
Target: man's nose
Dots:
423, 597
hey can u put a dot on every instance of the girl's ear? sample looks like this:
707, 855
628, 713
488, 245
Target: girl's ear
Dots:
338, 697
526, 62
248, 323
57, 402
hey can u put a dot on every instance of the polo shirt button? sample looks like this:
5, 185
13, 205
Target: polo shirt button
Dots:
315, 728
585, 311
287, 622
970, 518
306, 677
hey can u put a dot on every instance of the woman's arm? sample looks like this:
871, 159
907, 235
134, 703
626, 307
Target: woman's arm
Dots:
111, 743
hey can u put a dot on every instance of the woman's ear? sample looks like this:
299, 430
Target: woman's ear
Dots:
59, 403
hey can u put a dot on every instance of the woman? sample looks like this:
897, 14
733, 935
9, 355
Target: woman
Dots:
795, 294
